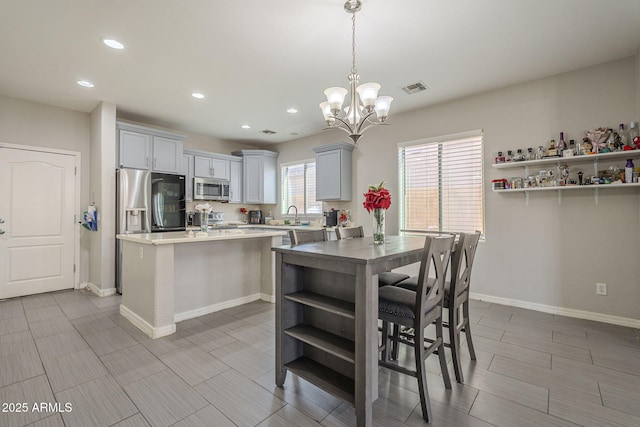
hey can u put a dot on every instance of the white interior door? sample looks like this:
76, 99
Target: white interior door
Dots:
37, 199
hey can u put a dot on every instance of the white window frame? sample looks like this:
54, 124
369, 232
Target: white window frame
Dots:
284, 204
438, 140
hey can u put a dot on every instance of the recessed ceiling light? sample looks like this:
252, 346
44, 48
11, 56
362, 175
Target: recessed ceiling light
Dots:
197, 95
85, 83
246, 127
292, 110
114, 44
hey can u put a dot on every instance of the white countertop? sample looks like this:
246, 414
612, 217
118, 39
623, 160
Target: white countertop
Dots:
212, 235
286, 227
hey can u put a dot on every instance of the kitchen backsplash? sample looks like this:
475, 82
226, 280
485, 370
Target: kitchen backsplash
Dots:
232, 210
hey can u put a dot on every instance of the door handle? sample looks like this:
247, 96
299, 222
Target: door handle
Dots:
1, 221
1, 231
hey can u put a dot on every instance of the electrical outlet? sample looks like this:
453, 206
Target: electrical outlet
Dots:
141, 253
601, 288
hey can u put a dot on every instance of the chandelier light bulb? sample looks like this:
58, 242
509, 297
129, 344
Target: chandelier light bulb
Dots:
352, 116
368, 93
383, 105
335, 97
326, 110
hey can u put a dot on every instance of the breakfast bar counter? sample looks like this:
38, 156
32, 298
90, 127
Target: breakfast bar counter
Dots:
170, 277
327, 313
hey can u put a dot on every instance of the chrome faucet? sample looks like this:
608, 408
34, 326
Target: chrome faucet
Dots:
295, 221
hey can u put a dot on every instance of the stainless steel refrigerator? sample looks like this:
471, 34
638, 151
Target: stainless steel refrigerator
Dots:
147, 202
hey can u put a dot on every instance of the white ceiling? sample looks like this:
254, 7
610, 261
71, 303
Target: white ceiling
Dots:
255, 59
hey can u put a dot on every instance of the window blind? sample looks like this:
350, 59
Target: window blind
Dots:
441, 181
298, 183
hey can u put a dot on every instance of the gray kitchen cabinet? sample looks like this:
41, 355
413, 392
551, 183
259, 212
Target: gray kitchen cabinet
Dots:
140, 147
187, 171
333, 172
166, 155
259, 176
134, 149
211, 167
235, 181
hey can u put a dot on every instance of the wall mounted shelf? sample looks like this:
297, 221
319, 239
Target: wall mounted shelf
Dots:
573, 159
557, 161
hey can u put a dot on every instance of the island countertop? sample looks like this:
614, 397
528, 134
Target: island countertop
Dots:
183, 237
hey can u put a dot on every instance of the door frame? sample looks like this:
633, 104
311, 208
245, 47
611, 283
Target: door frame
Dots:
76, 195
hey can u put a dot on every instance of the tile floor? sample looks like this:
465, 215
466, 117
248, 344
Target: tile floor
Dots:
73, 348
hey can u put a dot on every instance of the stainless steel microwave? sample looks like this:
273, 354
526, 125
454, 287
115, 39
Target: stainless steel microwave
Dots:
210, 189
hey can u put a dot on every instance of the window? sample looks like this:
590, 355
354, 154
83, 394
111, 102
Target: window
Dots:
299, 188
441, 183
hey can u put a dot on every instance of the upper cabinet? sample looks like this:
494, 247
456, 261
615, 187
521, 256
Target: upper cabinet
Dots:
235, 181
140, 147
258, 176
333, 172
211, 166
187, 171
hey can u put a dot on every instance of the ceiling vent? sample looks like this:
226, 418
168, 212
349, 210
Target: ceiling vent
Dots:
414, 88
267, 132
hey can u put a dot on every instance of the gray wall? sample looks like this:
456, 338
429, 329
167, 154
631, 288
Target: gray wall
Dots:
542, 253
103, 193
29, 123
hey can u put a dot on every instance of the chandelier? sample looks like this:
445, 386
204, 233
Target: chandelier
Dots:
364, 99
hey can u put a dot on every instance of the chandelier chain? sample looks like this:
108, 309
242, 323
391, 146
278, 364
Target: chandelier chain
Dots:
353, 43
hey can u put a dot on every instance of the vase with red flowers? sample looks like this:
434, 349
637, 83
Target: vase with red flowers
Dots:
377, 200
243, 214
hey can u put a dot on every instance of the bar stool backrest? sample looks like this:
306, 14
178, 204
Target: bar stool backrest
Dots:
299, 237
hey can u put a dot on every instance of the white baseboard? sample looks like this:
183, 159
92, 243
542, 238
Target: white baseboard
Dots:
100, 292
145, 326
178, 317
569, 312
268, 298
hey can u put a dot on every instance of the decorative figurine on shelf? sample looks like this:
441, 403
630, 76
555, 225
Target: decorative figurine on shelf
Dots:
564, 174
614, 174
598, 138
552, 151
586, 146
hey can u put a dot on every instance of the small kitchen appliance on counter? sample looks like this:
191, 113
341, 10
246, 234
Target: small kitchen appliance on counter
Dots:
331, 218
213, 218
255, 217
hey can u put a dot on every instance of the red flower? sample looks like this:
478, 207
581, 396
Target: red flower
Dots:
243, 210
377, 197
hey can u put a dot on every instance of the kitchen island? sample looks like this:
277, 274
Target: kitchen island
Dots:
170, 277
